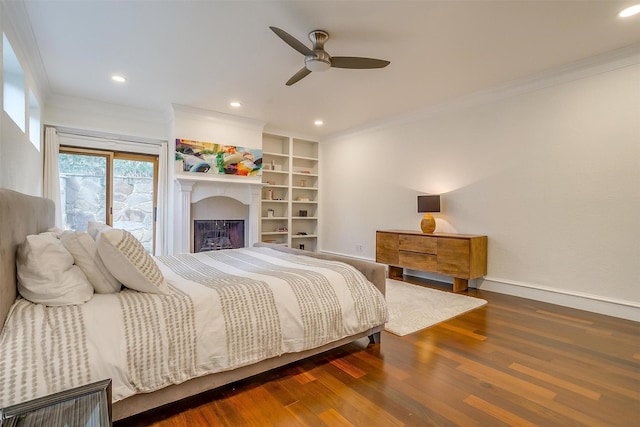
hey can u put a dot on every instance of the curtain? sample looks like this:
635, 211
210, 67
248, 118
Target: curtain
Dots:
162, 212
51, 182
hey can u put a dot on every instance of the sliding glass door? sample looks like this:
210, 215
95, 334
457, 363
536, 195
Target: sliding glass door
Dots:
114, 188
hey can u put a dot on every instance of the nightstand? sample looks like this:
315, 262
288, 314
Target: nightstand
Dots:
86, 406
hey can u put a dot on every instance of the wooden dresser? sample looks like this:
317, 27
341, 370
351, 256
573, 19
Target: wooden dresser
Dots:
460, 256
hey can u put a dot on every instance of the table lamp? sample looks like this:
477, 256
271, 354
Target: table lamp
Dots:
428, 203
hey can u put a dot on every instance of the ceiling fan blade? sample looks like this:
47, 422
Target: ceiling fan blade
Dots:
304, 72
356, 62
292, 41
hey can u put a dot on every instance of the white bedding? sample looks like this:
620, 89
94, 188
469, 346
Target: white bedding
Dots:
225, 309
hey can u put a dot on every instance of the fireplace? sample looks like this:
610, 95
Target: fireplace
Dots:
192, 191
215, 235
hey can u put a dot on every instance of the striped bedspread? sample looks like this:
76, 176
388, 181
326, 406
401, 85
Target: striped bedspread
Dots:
225, 309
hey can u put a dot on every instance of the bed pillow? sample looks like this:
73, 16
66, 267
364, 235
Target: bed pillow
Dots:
94, 229
46, 274
85, 255
130, 263
56, 231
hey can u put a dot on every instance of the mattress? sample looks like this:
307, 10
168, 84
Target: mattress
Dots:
225, 309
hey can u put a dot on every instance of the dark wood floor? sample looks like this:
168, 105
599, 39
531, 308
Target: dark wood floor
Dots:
513, 362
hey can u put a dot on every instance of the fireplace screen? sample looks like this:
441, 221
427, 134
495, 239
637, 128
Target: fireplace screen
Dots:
214, 235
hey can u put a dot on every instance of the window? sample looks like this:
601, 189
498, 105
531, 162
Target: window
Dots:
115, 188
13, 85
35, 134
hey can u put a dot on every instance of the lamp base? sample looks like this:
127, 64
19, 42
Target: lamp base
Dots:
428, 223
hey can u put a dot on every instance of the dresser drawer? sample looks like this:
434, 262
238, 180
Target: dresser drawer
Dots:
418, 261
387, 248
422, 244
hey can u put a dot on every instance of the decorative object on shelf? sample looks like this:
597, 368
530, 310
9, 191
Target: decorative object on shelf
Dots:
208, 157
302, 213
301, 246
428, 204
303, 199
303, 183
269, 194
270, 213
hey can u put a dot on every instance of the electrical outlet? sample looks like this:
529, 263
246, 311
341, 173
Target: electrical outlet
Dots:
359, 247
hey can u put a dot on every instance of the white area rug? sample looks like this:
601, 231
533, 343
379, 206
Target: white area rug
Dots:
413, 307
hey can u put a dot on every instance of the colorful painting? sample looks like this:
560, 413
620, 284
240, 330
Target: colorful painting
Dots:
207, 157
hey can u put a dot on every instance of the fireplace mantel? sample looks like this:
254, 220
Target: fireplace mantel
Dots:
192, 189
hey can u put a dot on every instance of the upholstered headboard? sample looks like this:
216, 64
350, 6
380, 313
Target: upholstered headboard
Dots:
20, 215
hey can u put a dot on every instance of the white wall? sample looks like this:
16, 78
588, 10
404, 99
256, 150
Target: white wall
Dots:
20, 161
551, 176
84, 114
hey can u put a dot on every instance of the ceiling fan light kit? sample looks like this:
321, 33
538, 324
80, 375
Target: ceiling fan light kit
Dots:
317, 59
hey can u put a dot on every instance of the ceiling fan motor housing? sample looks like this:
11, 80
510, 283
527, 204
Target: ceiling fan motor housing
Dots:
319, 60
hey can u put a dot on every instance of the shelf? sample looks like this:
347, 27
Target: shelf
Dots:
313, 175
274, 233
274, 201
269, 153
276, 172
312, 159
303, 236
274, 218
307, 202
286, 245
304, 217
276, 186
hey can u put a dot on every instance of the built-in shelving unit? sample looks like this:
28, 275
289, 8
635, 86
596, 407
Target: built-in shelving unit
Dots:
289, 214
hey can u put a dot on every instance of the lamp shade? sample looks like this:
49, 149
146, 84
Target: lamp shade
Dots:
429, 203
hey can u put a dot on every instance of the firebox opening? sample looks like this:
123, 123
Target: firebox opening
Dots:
215, 235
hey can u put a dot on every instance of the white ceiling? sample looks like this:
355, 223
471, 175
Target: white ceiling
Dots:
205, 54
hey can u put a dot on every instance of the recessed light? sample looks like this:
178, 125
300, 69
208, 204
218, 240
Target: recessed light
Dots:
318, 123
235, 104
630, 11
117, 78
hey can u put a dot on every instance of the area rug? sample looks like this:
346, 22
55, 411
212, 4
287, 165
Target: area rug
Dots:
413, 307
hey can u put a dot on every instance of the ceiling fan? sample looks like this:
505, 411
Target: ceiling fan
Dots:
317, 59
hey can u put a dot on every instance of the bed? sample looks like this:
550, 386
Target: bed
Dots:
195, 357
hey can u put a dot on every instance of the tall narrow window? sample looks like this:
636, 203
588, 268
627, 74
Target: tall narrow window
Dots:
119, 189
13, 95
35, 133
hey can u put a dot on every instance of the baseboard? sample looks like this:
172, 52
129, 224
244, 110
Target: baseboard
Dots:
623, 309
362, 258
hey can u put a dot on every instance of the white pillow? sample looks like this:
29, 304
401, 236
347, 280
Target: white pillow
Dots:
85, 255
46, 274
130, 263
95, 228
56, 231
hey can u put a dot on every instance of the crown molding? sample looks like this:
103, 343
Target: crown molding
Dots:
187, 112
609, 61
